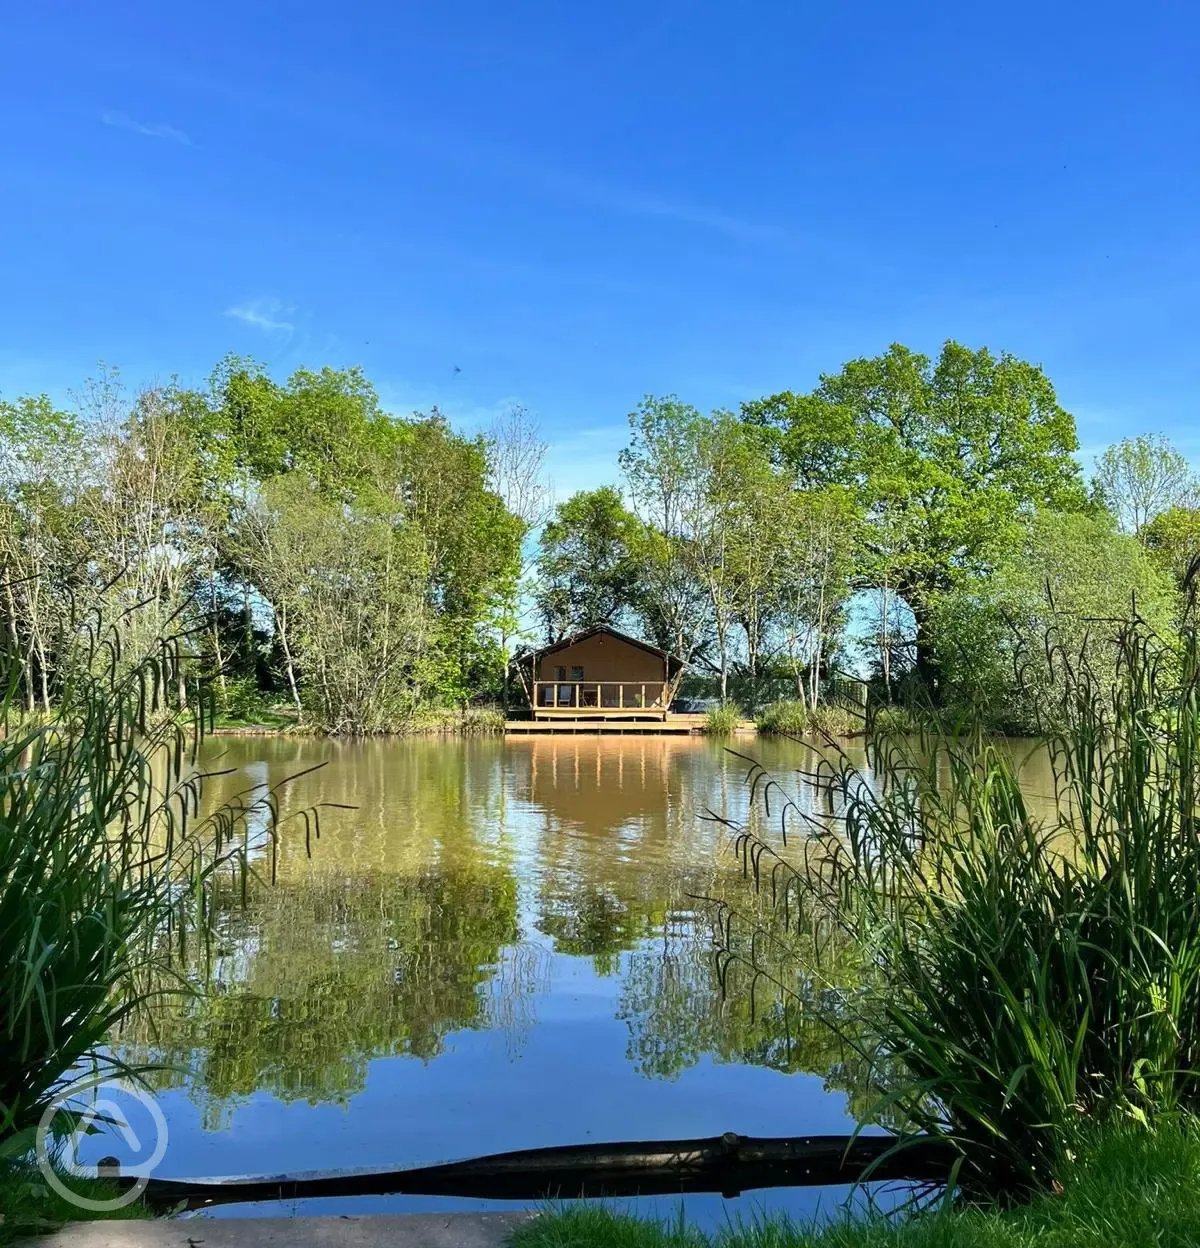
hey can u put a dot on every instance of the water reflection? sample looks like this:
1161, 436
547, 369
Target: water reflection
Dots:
538, 894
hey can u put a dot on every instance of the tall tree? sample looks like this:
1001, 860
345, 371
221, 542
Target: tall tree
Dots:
517, 472
1072, 573
588, 571
948, 454
819, 552
1140, 478
45, 476
1172, 540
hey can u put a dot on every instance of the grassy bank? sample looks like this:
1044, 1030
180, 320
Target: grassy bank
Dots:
29, 1205
1132, 1188
475, 721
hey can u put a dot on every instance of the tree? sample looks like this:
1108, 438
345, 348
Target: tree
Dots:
818, 556
587, 569
516, 464
1172, 539
660, 465
44, 455
950, 455
354, 611
1072, 573
1139, 478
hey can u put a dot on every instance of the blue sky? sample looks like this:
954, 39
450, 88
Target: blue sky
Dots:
572, 205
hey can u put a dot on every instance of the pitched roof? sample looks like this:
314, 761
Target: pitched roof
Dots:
583, 634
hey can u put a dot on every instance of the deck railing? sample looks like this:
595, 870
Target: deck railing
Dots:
599, 695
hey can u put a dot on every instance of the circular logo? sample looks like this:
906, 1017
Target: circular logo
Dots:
117, 1105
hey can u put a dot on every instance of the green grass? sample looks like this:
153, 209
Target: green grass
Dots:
722, 721
790, 718
1135, 1188
276, 721
28, 1205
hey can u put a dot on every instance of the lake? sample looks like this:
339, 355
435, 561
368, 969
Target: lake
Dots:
498, 947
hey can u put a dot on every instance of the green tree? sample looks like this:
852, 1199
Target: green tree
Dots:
588, 572
945, 458
661, 467
44, 479
815, 561
1173, 540
1139, 478
1069, 571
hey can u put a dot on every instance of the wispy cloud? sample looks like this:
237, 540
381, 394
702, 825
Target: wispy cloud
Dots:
151, 129
265, 314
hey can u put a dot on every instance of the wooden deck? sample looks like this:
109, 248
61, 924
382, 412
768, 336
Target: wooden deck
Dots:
675, 725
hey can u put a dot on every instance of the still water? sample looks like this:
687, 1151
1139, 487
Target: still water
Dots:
498, 947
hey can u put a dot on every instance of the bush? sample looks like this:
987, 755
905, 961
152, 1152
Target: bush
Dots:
242, 702
894, 719
722, 721
791, 718
1029, 970
474, 721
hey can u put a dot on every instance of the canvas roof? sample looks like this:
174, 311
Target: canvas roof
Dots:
673, 660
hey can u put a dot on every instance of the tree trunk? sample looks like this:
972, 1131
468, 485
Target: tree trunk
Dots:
925, 665
44, 676
218, 658
289, 666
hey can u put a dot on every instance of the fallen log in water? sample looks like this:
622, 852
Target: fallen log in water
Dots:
728, 1164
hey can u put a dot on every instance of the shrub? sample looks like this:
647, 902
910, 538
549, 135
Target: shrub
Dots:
1031, 969
722, 721
894, 719
474, 721
791, 718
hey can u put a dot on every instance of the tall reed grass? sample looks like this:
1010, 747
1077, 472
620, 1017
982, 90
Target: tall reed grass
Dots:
105, 861
1030, 966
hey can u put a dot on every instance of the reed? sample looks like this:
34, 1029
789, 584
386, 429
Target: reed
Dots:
1031, 970
106, 858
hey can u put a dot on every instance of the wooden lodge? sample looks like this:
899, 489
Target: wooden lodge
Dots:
600, 675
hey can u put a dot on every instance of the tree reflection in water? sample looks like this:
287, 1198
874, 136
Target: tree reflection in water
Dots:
438, 905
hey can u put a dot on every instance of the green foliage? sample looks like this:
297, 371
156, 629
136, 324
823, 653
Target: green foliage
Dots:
29, 1206
1172, 539
791, 718
722, 721
1071, 572
470, 721
1139, 478
945, 458
241, 512
1127, 1189
1037, 964
894, 719
104, 865
587, 569
240, 701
